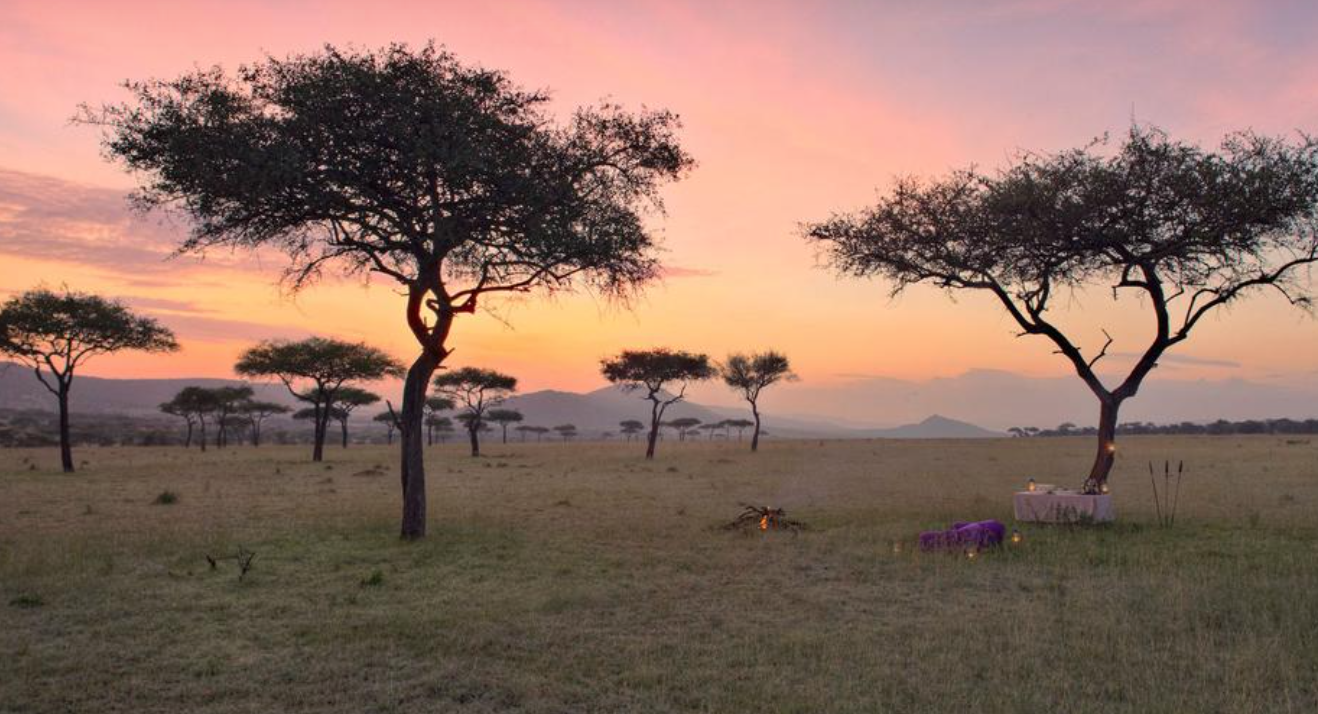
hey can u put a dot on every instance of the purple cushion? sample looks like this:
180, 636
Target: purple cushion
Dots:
979, 534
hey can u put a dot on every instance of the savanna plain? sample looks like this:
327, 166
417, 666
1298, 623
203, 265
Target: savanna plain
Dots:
577, 577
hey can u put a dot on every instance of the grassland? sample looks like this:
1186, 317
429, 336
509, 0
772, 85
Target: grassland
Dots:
579, 578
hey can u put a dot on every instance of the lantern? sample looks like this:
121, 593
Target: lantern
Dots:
1031, 486
1016, 537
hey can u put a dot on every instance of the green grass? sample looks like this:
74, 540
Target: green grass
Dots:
573, 578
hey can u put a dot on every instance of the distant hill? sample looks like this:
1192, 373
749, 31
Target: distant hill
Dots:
592, 412
19, 389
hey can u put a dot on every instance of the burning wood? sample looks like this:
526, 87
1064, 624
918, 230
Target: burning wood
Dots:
763, 519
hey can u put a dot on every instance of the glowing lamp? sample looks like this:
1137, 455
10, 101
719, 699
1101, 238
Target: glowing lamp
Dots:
896, 547
1031, 486
1111, 447
1103, 488
971, 554
1016, 537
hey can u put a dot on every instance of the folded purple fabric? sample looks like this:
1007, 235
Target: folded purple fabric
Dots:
979, 534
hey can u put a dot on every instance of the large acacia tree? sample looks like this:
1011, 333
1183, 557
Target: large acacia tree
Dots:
315, 371
653, 372
750, 374
55, 333
1188, 230
476, 390
443, 177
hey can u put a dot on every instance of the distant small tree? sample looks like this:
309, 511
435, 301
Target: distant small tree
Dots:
1186, 230
524, 429
441, 426
228, 404
435, 405
540, 432
256, 412
314, 370
652, 371
711, 428
631, 427
504, 417
235, 427
740, 425
390, 421
684, 425
198, 402
173, 408
567, 431
316, 415
347, 400
55, 333
476, 390
750, 374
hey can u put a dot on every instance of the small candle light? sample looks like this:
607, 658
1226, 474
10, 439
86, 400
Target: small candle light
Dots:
1103, 488
1016, 537
971, 554
1031, 486
1111, 447
896, 547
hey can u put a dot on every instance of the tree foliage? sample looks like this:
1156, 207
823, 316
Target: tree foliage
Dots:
652, 371
750, 374
1186, 229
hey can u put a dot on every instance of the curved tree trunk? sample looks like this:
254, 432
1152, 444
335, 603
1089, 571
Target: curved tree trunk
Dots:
1107, 446
411, 444
755, 437
656, 414
65, 439
475, 438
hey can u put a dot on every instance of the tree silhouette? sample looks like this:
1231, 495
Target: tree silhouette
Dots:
447, 178
684, 425
525, 429
1185, 229
56, 333
504, 417
476, 390
196, 405
314, 370
740, 425
347, 400
652, 371
435, 405
228, 403
390, 421
567, 431
750, 374
631, 427
256, 412
443, 426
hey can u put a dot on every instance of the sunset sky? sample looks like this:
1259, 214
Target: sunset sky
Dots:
792, 110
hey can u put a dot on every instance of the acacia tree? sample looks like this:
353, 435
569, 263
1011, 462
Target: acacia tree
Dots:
174, 408
314, 371
444, 177
55, 333
1187, 230
476, 390
684, 425
228, 403
750, 374
523, 430
740, 425
567, 431
435, 405
390, 421
256, 412
631, 427
652, 371
504, 417
348, 399
199, 404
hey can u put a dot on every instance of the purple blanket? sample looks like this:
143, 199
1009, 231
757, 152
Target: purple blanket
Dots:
980, 534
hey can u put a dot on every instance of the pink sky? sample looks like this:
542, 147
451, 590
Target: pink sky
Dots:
793, 110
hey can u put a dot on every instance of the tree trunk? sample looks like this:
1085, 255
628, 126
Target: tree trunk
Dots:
505, 433
256, 433
65, 440
390, 437
187, 443
475, 438
318, 435
411, 444
201, 435
344, 426
1107, 446
656, 414
755, 436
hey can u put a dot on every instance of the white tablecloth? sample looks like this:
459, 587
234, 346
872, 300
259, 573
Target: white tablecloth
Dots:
1040, 507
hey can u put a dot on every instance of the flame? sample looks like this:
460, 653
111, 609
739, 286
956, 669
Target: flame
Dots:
764, 523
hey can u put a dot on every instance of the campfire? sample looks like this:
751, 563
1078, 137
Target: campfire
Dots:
766, 518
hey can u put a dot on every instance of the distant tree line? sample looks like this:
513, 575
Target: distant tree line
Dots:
1221, 427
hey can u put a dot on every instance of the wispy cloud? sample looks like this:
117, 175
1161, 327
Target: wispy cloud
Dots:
1182, 359
675, 271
